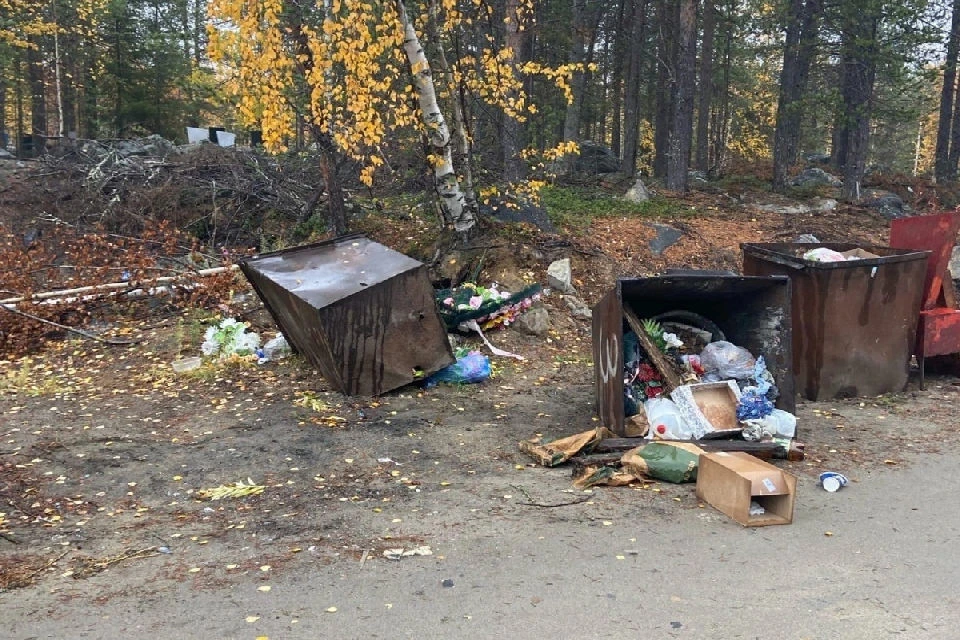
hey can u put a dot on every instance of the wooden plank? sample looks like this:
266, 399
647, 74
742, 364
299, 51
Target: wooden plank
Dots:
671, 377
763, 450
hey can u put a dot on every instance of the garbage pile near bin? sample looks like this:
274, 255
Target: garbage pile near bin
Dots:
683, 396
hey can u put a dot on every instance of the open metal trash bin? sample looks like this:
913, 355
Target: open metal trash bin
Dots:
753, 313
854, 322
361, 312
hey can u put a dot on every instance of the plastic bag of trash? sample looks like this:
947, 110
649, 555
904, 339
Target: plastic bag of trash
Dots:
670, 461
822, 254
724, 360
469, 368
229, 338
753, 405
276, 348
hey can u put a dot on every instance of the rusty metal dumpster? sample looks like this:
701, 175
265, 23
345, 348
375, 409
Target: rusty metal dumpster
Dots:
752, 312
362, 313
854, 322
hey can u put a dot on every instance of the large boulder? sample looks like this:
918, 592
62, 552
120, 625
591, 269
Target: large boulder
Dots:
535, 321
666, 237
637, 193
815, 176
886, 203
512, 211
560, 276
596, 158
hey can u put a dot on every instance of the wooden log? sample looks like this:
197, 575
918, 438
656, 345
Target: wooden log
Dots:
671, 377
763, 450
116, 286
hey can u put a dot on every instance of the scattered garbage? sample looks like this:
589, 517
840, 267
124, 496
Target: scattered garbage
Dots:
229, 338
752, 492
724, 360
471, 367
671, 461
555, 452
832, 481
823, 254
183, 365
399, 552
276, 348
665, 420
488, 306
235, 490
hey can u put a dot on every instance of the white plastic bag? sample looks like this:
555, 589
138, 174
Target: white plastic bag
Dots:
666, 421
779, 424
724, 360
822, 254
276, 348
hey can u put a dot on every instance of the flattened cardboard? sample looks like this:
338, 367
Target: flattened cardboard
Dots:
729, 481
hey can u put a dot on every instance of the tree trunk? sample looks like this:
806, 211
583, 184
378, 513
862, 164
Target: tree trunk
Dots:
681, 125
636, 35
463, 149
621, 45
336, 208
706, 86
452, 200
18, 91
514, 169
584, 26
859, 42
667, 19
38, 104
3, 104
943, 169
720, 118
798, 50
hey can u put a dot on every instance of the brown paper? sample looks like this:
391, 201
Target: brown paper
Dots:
551, 454
594, 475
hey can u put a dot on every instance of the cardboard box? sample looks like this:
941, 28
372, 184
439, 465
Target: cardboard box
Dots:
730, 481
710, 408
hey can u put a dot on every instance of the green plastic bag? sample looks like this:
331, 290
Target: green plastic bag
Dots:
670, 461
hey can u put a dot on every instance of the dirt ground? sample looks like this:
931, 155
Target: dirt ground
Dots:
104, 450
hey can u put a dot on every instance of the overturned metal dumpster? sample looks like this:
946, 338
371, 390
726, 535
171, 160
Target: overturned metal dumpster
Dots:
753, 312
362, 313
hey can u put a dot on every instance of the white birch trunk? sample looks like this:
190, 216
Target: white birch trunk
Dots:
452, 200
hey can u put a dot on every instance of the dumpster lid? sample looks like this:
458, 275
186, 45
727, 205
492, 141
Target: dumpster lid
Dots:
325, 272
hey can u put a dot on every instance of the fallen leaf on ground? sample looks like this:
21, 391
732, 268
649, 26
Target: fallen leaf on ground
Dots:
235, 490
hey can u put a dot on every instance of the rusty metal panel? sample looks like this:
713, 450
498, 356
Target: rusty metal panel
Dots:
360, 312
608, 360
936, 234
753, 312
854, 323
938, 333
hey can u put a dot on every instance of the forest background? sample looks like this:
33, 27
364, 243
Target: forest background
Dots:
495, 97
